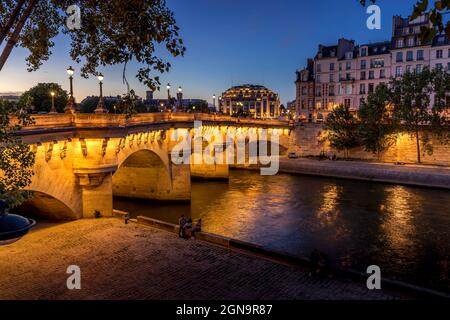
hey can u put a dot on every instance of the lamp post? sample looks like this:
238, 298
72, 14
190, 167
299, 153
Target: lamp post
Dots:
180, 98
70, 108
214, 101
168, 94
101, 104
220, 104
53, 109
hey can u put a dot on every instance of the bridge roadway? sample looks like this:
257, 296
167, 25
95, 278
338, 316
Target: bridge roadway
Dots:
82, 160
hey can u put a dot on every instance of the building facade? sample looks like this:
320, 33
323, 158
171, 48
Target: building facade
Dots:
347, 73
257, 101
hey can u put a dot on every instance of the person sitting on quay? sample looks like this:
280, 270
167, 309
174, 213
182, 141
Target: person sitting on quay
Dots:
182, 223
197, 228
188, 229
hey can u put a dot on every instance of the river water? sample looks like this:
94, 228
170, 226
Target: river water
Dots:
404, 230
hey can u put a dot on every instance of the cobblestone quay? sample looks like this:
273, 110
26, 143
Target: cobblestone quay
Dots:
121, 261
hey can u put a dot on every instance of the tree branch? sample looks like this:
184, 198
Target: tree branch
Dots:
18, 29
4, 31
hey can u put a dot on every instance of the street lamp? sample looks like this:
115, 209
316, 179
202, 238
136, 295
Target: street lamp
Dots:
70, 108
214, 101
53, 109
168, 94
101, 104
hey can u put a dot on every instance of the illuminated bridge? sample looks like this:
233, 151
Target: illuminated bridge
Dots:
83, 160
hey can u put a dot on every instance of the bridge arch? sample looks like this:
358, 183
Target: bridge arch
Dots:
143, 174
46, 206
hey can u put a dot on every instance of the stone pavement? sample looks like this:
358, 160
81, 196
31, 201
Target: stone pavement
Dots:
131, 261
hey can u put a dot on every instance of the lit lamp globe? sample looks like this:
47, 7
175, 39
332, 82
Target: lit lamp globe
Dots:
70, 71
100, 77
12, 226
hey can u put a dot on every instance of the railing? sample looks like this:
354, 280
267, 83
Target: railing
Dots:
83, 120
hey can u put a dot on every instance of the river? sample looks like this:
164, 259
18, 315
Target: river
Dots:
404, 230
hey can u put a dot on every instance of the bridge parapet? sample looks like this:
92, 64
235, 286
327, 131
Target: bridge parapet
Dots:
81, 120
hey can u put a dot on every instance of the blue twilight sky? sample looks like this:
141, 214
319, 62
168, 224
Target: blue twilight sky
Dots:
229, 42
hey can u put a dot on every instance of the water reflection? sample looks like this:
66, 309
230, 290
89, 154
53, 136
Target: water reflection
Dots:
404, 230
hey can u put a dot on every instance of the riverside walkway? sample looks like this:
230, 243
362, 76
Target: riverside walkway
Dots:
415, 175
132, 261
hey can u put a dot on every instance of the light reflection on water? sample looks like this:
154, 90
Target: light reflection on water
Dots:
404, 230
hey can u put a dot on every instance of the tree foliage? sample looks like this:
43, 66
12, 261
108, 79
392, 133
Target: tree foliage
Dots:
376, 128
40, 99
411, 100
342, 129
16, 158
111, 33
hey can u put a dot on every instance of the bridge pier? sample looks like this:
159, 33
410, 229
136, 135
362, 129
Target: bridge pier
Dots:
96, 190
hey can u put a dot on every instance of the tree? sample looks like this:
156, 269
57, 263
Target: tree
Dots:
16, 158
440, 112
376, 126
411, 101
41, 99
110, 33
436, 13
342, 129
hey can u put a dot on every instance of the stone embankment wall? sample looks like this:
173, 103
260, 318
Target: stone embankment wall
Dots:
308, 140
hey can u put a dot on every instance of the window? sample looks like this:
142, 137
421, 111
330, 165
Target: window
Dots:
363, 64
318, 78
363, 75
439, 54
410, 42
361, 102
419, 55
382, 74
419, 68
363, 52
349, 55
399, 57
362, 88
331, 66
348, 89
409, 56
400, 43
398, 71
439, 66
347, 103
408, 69
449, 53
371, 87
319, 67
332, 77
348, 65
318, 92
377, 63
304, 91
348, 76
340, 66
303, 104
331, 90
371, 74
448, 66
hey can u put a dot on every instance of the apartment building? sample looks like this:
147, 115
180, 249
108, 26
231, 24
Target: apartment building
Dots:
347, 73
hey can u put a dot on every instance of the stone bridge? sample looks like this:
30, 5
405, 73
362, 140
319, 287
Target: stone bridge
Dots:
83, 160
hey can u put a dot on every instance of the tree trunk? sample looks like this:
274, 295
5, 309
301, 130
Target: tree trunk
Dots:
418, 146
13, 39
4, 32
